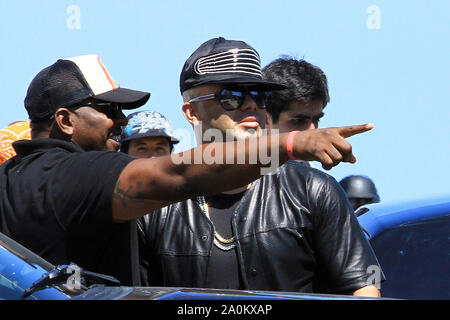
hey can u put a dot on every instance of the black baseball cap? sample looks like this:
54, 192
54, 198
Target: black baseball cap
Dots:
70, 81
226, 62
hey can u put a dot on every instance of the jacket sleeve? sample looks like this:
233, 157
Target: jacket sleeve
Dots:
148, 229
343, 252
144, 249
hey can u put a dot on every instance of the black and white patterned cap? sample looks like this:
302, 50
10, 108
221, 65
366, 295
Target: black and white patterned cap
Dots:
226, 62
143, 124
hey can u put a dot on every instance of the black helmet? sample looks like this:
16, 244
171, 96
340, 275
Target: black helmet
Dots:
360, 190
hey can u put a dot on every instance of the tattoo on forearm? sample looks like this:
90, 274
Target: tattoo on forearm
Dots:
125, 195
139, 194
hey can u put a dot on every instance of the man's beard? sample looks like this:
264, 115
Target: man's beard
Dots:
224, 135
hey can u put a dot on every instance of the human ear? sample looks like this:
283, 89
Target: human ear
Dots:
190, 113
64, 121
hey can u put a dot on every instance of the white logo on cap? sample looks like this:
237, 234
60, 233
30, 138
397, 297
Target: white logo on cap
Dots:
234, 60
145, 122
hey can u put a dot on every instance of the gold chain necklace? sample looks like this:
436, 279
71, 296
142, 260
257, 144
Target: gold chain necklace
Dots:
219, 241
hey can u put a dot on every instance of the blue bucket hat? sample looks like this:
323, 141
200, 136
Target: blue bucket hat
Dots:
143, 124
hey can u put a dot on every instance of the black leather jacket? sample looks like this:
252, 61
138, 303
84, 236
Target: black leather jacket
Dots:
295, 231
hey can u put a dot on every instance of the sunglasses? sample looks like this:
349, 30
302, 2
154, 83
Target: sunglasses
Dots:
232, 99
109, 108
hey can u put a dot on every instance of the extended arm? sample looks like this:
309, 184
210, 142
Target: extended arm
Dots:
148, 184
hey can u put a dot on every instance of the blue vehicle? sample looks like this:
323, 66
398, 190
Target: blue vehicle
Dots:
411, 240
412, 243
25, 275
19, 269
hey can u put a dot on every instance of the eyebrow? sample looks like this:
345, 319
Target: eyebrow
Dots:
304, 116
159, 143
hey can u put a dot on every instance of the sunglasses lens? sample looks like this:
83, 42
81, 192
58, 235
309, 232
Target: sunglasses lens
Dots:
230, 99
111, 109
233, 99
261, 98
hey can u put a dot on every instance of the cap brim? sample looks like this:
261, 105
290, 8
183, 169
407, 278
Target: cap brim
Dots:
172, 139
127, 98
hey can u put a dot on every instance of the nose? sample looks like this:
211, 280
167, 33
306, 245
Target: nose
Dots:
151, 154
249, 104
154, 153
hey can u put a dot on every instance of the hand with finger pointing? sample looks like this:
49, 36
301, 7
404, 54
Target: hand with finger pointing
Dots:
327, 145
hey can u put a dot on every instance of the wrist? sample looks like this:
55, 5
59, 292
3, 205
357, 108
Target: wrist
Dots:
290, 144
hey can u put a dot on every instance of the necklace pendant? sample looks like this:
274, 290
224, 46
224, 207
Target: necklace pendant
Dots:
222, 246
219, 241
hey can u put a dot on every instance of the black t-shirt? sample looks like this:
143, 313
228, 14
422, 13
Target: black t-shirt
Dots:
223, 269
56, 200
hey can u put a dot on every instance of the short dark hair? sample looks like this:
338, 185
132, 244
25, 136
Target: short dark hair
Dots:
40, 125
305, 82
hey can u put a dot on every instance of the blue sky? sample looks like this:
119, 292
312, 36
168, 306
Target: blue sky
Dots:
386, 63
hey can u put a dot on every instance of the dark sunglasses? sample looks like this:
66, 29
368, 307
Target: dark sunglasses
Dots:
109, 108
232, 99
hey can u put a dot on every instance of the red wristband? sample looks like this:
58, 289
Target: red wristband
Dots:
289, 144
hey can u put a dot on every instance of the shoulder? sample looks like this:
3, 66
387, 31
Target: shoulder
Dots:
49, 149
300, 172
45, 157
312, 185
103, 156
100, 160
154, 222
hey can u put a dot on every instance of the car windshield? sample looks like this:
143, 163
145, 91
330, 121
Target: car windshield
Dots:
19, 268
9, 289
